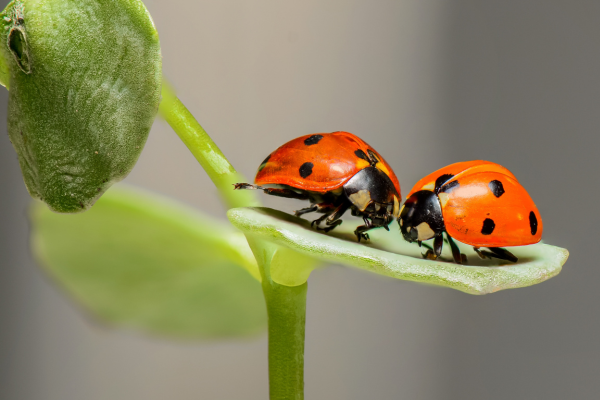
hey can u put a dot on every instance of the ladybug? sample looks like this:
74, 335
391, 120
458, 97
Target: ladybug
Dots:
335, 172
479, 203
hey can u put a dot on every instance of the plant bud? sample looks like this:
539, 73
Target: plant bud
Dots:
84, 79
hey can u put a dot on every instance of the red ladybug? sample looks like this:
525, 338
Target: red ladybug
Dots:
479, 203
335, 172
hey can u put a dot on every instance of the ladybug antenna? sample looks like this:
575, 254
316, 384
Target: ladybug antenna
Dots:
373, 158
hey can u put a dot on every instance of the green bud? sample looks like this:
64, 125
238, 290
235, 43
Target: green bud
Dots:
84, 79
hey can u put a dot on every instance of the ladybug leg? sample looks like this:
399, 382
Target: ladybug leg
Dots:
428, 247
360, 231
287, 193
458, 257
237, 186
430, 255
331, 216
438, 243
482, 254
319, 220
496, 252
333, 219
331, 226
502, 254
433, 253
372, 221
306, 210
326, 209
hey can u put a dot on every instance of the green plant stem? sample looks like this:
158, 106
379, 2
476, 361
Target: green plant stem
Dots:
286, 306
286, 309
210, 157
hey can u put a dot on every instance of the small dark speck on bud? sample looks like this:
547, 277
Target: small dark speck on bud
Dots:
81, 204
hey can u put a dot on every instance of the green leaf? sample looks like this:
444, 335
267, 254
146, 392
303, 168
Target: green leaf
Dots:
388, 254
85, 79
150, 264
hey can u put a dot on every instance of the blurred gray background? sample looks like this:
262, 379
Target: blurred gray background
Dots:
427, 83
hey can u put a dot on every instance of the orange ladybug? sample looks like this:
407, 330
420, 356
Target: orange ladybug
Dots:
335, 172
479, 203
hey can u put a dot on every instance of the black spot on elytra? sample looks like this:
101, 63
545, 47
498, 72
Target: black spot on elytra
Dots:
441, 180
533, 223
361, 154
306, 169
447, 188
488, 226
496, 187
314, 139
264, 163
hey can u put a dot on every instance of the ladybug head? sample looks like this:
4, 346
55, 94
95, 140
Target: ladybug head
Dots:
421, 216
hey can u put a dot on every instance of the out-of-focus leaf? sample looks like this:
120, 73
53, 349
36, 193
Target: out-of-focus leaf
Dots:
388, 254
141, 262
85, 79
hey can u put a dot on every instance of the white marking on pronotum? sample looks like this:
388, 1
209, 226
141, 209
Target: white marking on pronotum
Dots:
396, 210
424, 231
444, 197
361, 199
429, 186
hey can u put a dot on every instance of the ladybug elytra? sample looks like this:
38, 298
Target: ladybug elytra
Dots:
479, 203
335, 172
